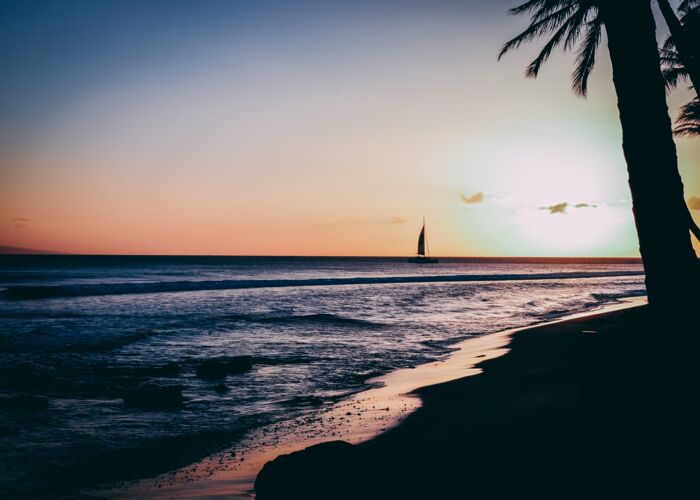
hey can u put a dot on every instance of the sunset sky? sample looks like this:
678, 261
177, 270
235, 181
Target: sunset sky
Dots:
303, 128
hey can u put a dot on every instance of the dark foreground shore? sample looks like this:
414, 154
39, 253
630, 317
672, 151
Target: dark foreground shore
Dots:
602, 406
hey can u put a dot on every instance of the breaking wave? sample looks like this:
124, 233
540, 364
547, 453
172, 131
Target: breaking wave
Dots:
24, 292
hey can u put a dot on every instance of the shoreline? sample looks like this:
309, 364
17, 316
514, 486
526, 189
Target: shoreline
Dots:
601, 406
358, 419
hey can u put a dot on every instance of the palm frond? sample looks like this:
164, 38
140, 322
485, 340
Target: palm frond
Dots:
687, 6
669, 44
673, 76
688, 122
672, 68
585, 58
579, 24
538, 28
537, 7
569, 29
568, 22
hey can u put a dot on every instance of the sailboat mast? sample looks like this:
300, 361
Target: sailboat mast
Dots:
425, 233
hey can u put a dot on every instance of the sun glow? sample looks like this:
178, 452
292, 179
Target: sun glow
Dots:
581, 229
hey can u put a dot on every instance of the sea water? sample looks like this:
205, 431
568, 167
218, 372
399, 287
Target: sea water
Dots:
77, 332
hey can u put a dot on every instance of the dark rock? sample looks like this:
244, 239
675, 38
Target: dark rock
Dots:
7, 430
220, 388
290, 476
25, 402
171, 368
154, 397
25, 373
212, 368
240, 364
25, 369
220, 367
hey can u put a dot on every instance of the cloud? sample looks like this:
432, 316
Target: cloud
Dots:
559, 208
694, 203
470, 200
397, 220
20, 222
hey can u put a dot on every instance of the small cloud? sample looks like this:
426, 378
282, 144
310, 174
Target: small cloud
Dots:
694, 203
397, 220
470, 200
20, 222
559, 208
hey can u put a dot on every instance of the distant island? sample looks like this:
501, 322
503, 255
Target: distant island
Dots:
8, 250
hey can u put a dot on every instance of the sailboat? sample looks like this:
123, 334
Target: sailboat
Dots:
423, 257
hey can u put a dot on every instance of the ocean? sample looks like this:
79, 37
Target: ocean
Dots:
83, 339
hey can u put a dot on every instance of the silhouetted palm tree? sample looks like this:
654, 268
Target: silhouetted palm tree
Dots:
684, 42
658, 204
681, 61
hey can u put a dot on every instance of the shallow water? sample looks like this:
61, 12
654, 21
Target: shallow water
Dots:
309, 346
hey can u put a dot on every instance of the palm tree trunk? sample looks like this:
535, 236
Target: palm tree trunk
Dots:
658, 203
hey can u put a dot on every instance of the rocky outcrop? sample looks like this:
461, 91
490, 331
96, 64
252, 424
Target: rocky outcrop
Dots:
218, 368
154, 397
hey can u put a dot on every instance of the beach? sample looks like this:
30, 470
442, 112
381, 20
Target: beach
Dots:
366, 418
100, 387
600, 405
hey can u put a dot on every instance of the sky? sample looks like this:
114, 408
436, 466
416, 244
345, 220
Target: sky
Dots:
304, 128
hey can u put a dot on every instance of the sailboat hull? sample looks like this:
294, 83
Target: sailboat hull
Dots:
422, 260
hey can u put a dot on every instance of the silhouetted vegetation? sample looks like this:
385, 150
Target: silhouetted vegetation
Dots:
680, 57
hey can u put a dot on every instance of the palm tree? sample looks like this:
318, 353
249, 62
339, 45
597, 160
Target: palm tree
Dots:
680, 59
688, 121
647, 139
684, 42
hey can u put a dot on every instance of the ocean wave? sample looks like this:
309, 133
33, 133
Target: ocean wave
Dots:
23, 292
608, 297
560, 309
324, 318
42, 341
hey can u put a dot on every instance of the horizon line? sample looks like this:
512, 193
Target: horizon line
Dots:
48, 253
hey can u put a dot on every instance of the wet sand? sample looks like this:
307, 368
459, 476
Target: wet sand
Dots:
361, 418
